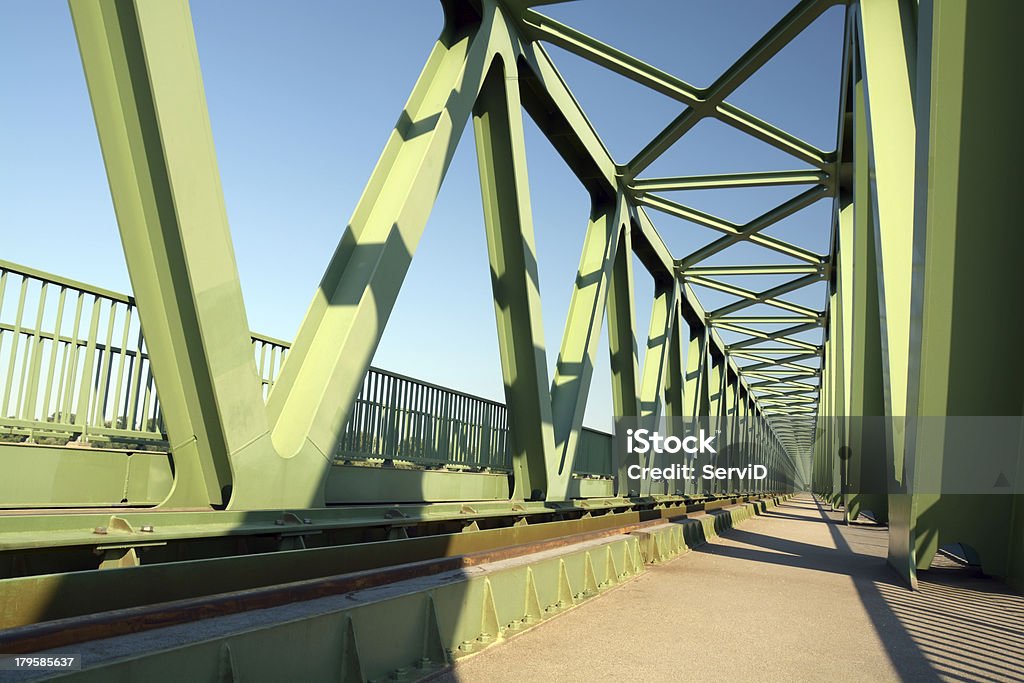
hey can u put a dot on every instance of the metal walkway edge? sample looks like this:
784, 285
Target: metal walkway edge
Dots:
772, 601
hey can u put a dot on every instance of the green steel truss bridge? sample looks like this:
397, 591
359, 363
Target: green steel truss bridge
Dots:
163, 464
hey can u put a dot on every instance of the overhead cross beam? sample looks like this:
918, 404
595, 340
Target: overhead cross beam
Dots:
728, 180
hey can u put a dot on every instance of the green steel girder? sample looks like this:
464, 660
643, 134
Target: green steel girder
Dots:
501, 156
343, 325
788, 362
752, 270
867, 467
922, 252
768, 320
887, 39
781, 336
712, 99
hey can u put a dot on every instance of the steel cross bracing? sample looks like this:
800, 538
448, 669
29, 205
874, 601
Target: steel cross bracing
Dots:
489, 64
790, 365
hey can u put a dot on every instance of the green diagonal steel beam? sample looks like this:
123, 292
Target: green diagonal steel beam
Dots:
576, 359
782, 362
887, 43
541, 27
311, 399
712, 271
768, 320
779, 336
761, 351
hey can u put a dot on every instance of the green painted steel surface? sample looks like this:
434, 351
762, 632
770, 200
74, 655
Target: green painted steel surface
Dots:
921, 180
928, 255
964, 123
249, 430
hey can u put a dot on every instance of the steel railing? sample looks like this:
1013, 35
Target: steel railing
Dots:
73, 367
72, 362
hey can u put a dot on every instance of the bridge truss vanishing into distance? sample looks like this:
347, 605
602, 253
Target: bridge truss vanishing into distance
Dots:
158, 436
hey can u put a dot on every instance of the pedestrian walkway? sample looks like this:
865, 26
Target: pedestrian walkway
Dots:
776, 599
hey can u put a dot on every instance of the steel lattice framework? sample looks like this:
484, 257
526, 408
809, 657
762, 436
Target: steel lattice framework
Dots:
891, 240
489, 66
922, 277
781, 372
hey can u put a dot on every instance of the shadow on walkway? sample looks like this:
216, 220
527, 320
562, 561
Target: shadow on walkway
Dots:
958, 626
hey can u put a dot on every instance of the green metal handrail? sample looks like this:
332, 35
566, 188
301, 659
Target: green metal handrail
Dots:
77, 368
87, 344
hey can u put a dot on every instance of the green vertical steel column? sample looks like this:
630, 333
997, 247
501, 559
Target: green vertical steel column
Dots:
823, 430
675, 381
887, 34
695, 388
967, 329
695, 391
869, 472
501, 154
844, 282
142, 69
622, 347
836, 390
657, 364
730, 426
716, 372
745, 455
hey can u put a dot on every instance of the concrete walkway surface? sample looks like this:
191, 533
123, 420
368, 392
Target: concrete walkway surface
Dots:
792, 595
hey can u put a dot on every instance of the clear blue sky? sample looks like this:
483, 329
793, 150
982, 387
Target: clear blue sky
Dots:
302, 96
